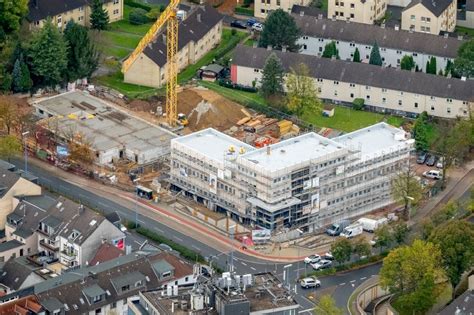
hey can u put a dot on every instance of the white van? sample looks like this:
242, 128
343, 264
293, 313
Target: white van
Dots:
433, 174
370, 225
352, 230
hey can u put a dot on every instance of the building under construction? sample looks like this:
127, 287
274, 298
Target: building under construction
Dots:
307, 181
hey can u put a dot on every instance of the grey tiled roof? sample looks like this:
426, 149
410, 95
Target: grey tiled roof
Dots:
8, 245
385, 37
93, 290
435, 6
360, 73
52, 304
41, 9
469, 5
189, 30
7, 181
311, 11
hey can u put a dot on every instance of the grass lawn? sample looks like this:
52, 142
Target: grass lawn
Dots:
115, 81
234, 95
228, 41
465, 31
249, 42
432, 133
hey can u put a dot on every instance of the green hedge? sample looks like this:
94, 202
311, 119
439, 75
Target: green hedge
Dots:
134, 4
244, 11
182, 250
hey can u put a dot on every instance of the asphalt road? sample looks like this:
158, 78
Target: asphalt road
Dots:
339, 286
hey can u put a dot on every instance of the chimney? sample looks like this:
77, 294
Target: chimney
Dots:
199, 17
268, 149
269, 47
301, 13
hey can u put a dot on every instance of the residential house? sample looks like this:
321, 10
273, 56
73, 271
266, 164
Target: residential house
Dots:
394, 43
105, 287
430, 16
26, 305
200, 32
360, 11
13, 184
62, 11
105, 253
466, 17
384, 89
263, 7
61, 230
18, 273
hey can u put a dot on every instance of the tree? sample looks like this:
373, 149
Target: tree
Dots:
407, 63
420, 132
431, 66
9, 147
280, 31
21, 76
80, 147
327, 306
301, 93
383, 237
375, 58
361, 247
356, 57
341, 250
48, 54
11, 113
400, 232
464, 62
410, 272
11, 13
330, 50
272, 77
407, 189
99, 17
358, 104
138, 16
455, 239
82, 57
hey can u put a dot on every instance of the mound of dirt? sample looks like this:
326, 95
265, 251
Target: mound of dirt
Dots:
205, 108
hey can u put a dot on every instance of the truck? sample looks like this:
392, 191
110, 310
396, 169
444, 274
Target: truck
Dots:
370, 225
336, 228
352, 230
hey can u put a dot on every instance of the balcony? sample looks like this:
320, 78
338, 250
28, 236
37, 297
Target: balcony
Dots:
48, 246
68, 255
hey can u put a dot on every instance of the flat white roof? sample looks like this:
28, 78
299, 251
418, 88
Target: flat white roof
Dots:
293, 151
374, 139
212, 143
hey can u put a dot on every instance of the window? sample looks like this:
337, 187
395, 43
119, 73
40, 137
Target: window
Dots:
400, 102
449, 100
336, 82
262, 10
166, 274
81, 9
352, 85
81, 18
116, 11
97, 298
384, 100
432, 108
367, 87
125, 287
278, 2
305, 46
416, 105
352, 95
368, 97
352, 15
256, 70
428, 20
352, 5
384, 90
448, 110
413, 18
98, 311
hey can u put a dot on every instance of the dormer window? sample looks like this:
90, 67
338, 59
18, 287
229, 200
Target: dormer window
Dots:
97, 298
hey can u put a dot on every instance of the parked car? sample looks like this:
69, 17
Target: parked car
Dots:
312, 259
433, 174
310, 282
352, 230
327, 256
251, 22
322, 264
337, 228
257, 27
440, 163
238, 24
431, 160
421, 159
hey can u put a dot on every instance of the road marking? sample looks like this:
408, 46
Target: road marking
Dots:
243, 263
363, 278
159, 230
140, 221
342, 283
253, 268
138, 243
195, 247
352, 281
179, 239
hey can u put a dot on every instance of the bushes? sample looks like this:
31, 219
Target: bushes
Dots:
229, 84
244, 11
138, 17
358, 104
182, 250
133, 4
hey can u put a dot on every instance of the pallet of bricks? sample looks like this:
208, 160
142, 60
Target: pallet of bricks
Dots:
287, 129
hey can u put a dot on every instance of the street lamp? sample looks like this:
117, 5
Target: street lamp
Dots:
286, 276
24, 134
231, 235
408, 199
135, 182
298, 267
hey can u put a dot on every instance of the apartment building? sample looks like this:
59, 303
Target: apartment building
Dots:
360, 11
264, 7
307, 181
394, 43
466, 18
59, 229
430, 16
384, 89
200, 32
62, 11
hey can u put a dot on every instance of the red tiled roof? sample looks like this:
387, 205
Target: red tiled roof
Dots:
106, 252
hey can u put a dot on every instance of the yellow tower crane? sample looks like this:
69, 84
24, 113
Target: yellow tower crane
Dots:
169, 18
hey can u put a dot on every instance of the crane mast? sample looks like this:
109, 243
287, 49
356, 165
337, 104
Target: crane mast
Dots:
169, 18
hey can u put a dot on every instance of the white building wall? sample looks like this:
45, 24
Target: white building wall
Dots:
391, 57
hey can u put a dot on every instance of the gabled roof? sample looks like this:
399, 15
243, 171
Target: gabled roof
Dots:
193, 28
41, 9
14, 272
105, 253
359, 73
311, 11
434, 6
385, 37
7, 181
470, 5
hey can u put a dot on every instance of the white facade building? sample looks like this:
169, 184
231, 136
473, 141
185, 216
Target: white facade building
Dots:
308, 181
393, 43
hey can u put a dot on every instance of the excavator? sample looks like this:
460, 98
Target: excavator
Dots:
170, 19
